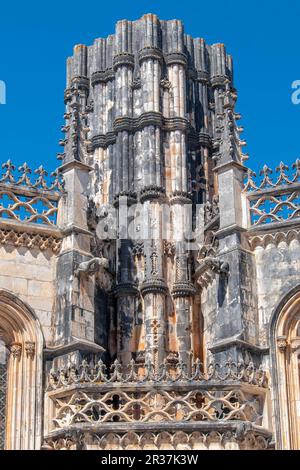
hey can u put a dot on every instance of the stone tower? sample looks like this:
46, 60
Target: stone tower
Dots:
164, 284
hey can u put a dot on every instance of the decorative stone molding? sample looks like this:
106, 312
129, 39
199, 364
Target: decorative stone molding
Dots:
138, 249
30, 240
282, 343
181, 197
151, 192
97, 373
131, 198
165, 84
273, 238
211, 209
129, 124
153, 286
16, 350
204, 140
202, 76
176, 58
102, 76
172, 358
136, 84
169, 248
125, 58
183, 289
152, 53
30, 349
125, 289
161, 440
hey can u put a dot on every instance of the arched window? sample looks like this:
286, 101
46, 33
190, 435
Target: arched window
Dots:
287, 381
21, 346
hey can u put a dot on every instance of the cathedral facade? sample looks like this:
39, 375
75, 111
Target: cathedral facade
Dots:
150, 287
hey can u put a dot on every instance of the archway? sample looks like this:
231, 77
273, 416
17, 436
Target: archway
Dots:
21, 334
286, 377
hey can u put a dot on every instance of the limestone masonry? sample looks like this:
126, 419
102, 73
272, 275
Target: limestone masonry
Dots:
150, 288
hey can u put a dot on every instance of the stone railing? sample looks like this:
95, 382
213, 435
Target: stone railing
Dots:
137, 373
29, 197
273, 200
226, 400
88, 399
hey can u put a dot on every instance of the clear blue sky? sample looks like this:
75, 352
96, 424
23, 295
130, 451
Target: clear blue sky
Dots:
36, 37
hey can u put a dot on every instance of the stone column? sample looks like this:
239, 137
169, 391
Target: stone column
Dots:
154, 289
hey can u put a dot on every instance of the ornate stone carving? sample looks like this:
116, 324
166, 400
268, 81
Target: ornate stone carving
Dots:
30, 349
282, 343
164, 440
92, 266
274, 238
16, 350
43, 242
97, 373
211, 209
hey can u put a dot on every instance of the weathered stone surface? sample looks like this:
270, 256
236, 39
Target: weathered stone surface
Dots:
165, 331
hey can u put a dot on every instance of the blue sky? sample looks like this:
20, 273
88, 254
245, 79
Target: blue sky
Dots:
36, 37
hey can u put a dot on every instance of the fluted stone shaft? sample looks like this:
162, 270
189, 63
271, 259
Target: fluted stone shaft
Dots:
149, 99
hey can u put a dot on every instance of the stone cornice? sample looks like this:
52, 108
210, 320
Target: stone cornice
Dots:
264, 239
30, 236
74, 345
229, 165
103, 140
70, 229
237, 342
74, 164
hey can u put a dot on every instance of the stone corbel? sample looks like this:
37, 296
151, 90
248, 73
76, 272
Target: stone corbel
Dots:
16, 350
30, 349
92, 266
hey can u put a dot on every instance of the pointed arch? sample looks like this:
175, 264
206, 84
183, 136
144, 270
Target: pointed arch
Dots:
285, 356
21, 332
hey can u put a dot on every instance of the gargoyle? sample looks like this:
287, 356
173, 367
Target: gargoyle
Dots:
216, 265
212, 264
92, 266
